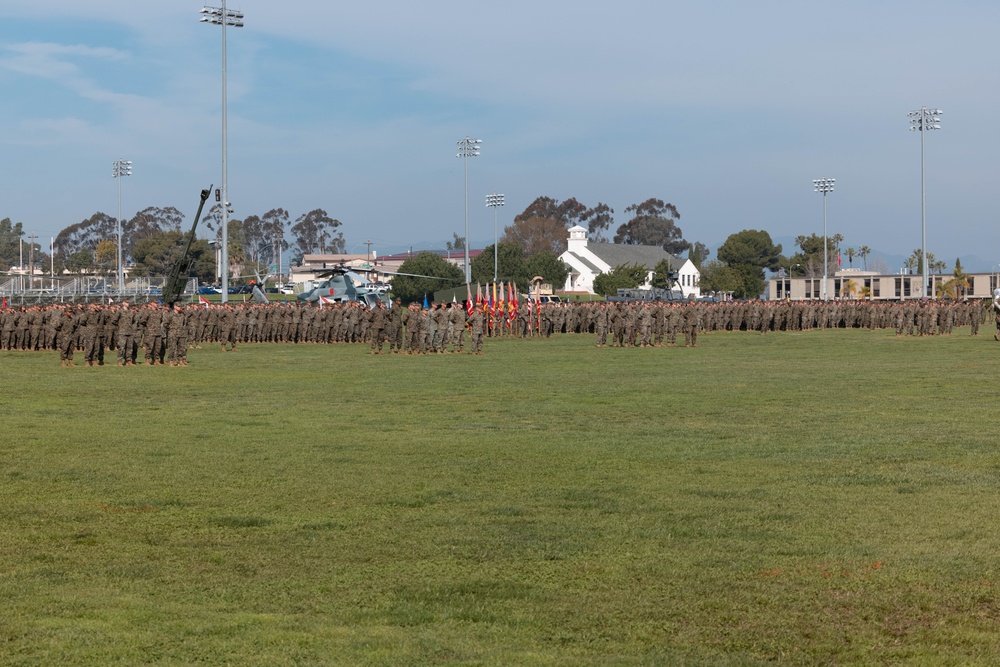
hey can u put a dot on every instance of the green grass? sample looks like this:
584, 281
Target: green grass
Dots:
826, 497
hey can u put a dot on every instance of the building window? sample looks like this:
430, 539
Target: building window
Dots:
876, 288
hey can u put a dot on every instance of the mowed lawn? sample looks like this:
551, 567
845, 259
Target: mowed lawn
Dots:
824, 497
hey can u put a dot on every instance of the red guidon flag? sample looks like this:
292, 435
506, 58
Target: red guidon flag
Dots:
511, 302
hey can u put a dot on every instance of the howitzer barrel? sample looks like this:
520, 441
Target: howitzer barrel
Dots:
174, 288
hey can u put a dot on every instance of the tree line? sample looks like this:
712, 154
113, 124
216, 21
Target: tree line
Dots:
153, 239
530, 246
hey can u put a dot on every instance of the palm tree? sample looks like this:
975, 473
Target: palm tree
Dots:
961, 278
851, 252
865, 292
948, 289
863, 253
847, 288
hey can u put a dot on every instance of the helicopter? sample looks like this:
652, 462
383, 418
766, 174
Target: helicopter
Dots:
343, 284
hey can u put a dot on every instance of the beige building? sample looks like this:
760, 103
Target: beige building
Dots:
880, 287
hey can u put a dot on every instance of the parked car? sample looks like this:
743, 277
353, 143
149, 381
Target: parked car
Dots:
208, 289
288, 288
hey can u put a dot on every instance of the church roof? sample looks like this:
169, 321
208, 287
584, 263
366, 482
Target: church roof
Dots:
615, 254
586, 262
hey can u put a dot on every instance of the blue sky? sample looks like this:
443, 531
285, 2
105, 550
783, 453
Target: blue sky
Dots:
727, 109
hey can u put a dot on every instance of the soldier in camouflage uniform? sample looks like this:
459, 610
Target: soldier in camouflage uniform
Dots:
477, 322
601, 324
65, 323
379, 324
128, 348
153, 335
691, 324
456, 321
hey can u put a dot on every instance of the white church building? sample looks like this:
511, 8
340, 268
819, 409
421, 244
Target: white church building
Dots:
586, 261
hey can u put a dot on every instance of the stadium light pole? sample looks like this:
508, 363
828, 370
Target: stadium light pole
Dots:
920, 121
824, 185
120, 169
467, 148
223, 17
494, 201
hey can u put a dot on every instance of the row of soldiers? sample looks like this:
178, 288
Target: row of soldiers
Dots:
165, 333
922, 318
161, 331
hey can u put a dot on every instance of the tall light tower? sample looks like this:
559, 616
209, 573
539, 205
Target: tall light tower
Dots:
467, 148
824, 185
494, 201
223, 17
120, 169
920, 121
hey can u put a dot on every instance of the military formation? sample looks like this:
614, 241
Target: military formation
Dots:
91, 330
164, 333
657, 324
643, 323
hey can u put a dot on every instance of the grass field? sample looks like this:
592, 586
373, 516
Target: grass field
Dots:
815, 498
